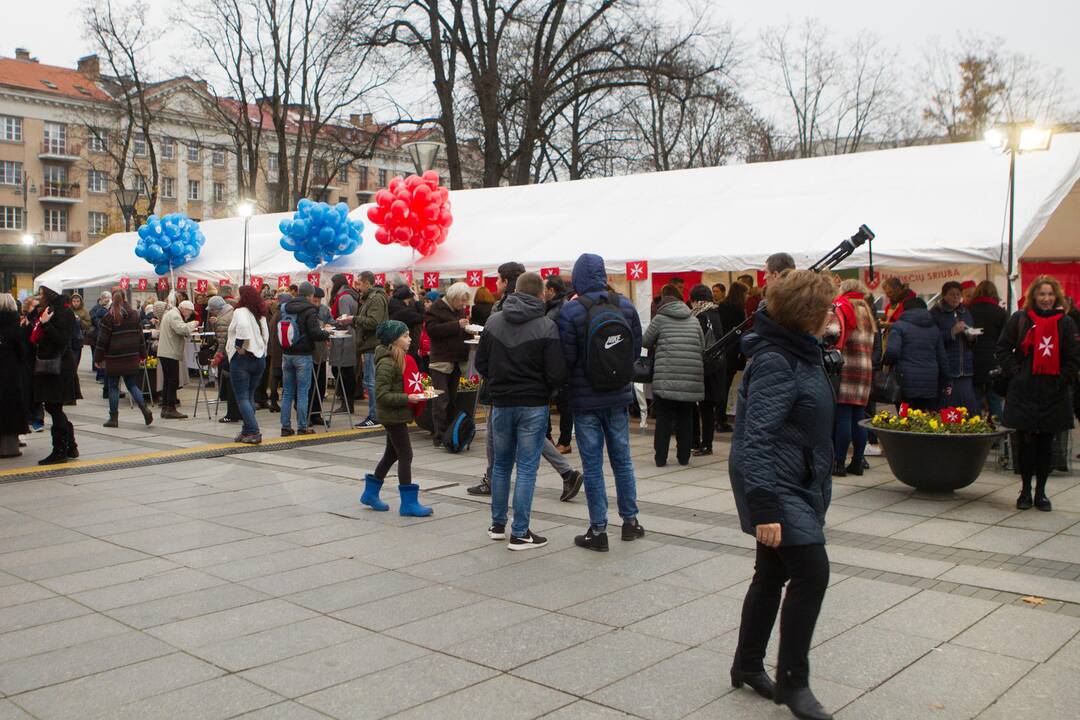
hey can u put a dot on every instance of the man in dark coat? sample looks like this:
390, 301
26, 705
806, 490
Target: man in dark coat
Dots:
916, 352
600, 416
989, 317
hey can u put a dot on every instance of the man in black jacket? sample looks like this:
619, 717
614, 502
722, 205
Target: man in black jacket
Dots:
298, 331
520, 356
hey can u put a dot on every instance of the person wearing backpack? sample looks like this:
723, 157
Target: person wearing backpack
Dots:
298, 329
520, 357
779, 467
392, 364
601, 339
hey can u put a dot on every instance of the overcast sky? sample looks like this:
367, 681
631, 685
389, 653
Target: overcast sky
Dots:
1045, 29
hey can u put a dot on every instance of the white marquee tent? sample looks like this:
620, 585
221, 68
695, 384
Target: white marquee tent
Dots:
930, 205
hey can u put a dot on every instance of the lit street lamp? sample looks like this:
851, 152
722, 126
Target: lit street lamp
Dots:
1017, 137
245, 209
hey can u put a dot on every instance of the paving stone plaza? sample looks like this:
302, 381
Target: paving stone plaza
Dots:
255, 586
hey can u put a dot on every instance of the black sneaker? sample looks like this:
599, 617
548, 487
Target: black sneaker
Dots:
287, 432
366, 423
497, 531
632, 530
482, 488
571, 485
592, 541
528, 542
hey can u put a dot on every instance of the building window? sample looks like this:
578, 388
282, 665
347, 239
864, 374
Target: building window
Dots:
168, 148
193, 189
56, 220
320, 171
219, 192
168, 188
98, 182
10, 128
218, 157
99, 223
55, 138
138, 144
363, 172
54, 176
193, 154
11, 218
98, 140
10, 172
343, 199
382, 177
343, 173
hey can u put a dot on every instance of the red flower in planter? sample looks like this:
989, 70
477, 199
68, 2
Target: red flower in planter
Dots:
951, 416
904, 407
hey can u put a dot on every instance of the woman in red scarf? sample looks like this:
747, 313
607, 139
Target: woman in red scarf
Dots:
856, 331
1040, 352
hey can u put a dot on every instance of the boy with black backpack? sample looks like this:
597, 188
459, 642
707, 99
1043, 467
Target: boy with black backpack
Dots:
601, 339
298, 329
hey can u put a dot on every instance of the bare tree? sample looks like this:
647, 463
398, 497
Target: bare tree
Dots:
869, 95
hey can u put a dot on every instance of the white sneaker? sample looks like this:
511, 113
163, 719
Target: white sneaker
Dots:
872, 450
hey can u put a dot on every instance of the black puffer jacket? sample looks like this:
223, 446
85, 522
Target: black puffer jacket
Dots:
990, 317
1038, 403
520, 355
307, 316
916, 351
56, 343
782, 451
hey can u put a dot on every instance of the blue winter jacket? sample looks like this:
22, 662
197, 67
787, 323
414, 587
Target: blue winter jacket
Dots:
782, 450
916, 351
957, 347
590, 279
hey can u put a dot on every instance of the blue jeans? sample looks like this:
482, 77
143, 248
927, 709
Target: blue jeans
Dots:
847, 431
295, 386
594, 428
132, 382
369, 383
518, 435
245, 372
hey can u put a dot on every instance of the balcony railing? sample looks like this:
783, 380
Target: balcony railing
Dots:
50, 237
60, 149
60, 191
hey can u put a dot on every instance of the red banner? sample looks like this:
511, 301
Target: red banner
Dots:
163, 283
181, 283
125, 283
314, 278
141, 284
637, 270
406, 276
380, 279
282, 282
431, 281
474, 278
201, 286
257, 282
548, 272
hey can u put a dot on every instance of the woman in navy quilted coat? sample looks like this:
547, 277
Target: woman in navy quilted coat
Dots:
780, 464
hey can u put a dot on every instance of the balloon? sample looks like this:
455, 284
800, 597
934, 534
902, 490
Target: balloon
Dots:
382, 237
402, 234
431, 178
283, 226
318, 232
162, 269
413, 181
342, 208
384, 197
155, 254
395, 183
304, 205
326, 234
298, 229
414, 211
422, 195
144, 232
399, 210
140, 250
376, 214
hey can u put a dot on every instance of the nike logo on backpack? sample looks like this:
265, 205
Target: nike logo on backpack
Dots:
612, 341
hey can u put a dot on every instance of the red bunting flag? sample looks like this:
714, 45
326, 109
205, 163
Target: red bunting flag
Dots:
951, 416
431, 281
548, 272
474, 278
181, 283
406, 275
314, 278
125, 283
637, 270
380, 279
257, 282
282, 282
141, 284
201, 286
163, 283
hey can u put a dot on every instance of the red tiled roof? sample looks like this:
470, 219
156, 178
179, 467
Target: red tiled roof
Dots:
64, 82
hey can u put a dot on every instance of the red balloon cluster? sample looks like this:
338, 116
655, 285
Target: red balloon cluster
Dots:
414, 211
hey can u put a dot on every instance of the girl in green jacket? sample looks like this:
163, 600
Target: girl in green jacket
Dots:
392, 407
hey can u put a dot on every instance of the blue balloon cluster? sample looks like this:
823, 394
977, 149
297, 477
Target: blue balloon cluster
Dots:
319, 232
168, 242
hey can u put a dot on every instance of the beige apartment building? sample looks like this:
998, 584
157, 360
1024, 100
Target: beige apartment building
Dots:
58, 158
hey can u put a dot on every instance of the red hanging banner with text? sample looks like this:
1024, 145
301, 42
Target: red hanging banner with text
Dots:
431, 281
125, 283
181, 283
548, 272
141, 284
282, 282
637, 270
474, 278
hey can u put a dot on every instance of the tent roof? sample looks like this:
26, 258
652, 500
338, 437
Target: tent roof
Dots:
928, 205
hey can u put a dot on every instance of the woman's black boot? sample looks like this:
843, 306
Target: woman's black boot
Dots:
802, 703
759, 682
1023, 502
1041, 501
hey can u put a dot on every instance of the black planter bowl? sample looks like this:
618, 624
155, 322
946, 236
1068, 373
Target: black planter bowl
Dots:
935, 463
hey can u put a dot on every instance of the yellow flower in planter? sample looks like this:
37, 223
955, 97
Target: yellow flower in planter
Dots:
905, 422
934, 424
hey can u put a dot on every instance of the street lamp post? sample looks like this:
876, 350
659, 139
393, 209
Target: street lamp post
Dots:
245, 209
127, 198
1016, 137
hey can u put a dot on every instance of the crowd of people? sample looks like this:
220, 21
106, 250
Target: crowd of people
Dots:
579, 345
